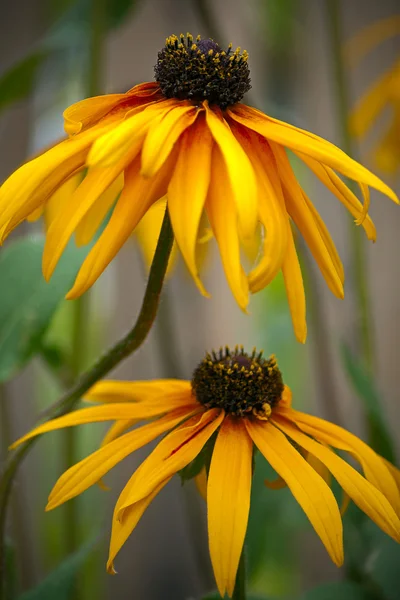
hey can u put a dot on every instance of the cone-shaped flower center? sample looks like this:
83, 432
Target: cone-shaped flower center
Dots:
201, 70
238, 383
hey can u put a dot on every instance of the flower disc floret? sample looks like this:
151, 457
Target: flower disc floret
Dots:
240, 383
201, 70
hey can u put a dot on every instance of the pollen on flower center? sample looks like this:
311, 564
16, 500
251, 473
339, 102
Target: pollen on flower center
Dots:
201, 70
241, 384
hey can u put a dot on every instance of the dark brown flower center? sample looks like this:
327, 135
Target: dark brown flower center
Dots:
201, 70
240, 383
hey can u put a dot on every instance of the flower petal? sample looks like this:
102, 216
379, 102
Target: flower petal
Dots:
222, 215
87, 112
228, 500
239, 169
271, 206
308, 143
139, 391
136, 198
370, 105
117, 429
341, 191
187, 191
309, 489
162, 135
304, 219
122, 529
107, 412
91, 469
171, 455
201, 483
361, 491
373, 466
295, 289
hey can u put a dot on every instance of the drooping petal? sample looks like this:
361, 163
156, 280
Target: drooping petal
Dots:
308, 143
228, 500
117, 429
91, 469
171, 455
96, 215
222, 215
96, 182
139, 391
187, 191
136, 198
271, 206
373, 466
294, 286
114, 144
304, 219
342, 193
122, 529
89, 111
201, 483
239, 170
162, 135
107, 412
309, 489
370, 105
367, 497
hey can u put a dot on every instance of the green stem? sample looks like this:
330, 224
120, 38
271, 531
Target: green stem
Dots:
121, 350
365, 334
239, 592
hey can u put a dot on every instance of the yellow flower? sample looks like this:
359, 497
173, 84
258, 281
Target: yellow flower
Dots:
383, 94
234, 403
187, 137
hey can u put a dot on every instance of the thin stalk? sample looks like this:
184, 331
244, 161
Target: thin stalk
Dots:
121, 350
239, 592
365, 334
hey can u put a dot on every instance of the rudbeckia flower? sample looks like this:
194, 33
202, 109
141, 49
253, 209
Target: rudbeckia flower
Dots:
234, 403
382, 96
187, 137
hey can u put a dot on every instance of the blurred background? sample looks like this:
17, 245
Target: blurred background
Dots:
47, 63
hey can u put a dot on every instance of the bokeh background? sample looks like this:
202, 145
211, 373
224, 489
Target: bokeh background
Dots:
293, 78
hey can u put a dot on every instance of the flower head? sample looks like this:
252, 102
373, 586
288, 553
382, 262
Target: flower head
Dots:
188, 138
236, 402
384, 94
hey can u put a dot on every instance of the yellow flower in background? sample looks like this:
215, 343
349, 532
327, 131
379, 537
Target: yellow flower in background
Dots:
239, 402
382, 96
188, 138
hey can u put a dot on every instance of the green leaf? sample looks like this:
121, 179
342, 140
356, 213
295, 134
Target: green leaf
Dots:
383, 568
364, 385
18, 82
27, 301
344, 590
59, 583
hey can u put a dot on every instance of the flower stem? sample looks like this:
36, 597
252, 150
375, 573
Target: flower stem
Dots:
365, 335
239, 593
121, 350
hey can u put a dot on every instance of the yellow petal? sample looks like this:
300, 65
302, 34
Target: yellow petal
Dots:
163, 134
228, 500
295, 289
60, 198
393, 470
201, 483
239, 169
136, 198
139, 391
373, 466
91, 469
117, 429
171, 455
304, 219
121, 529
35, 215
222, 215
86, 112
271, 206
370, 105
95, 215
342, 193
108, 412
187, 191
309, 489
96, 182
308, 143
358, 46
276, 484
367, 497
